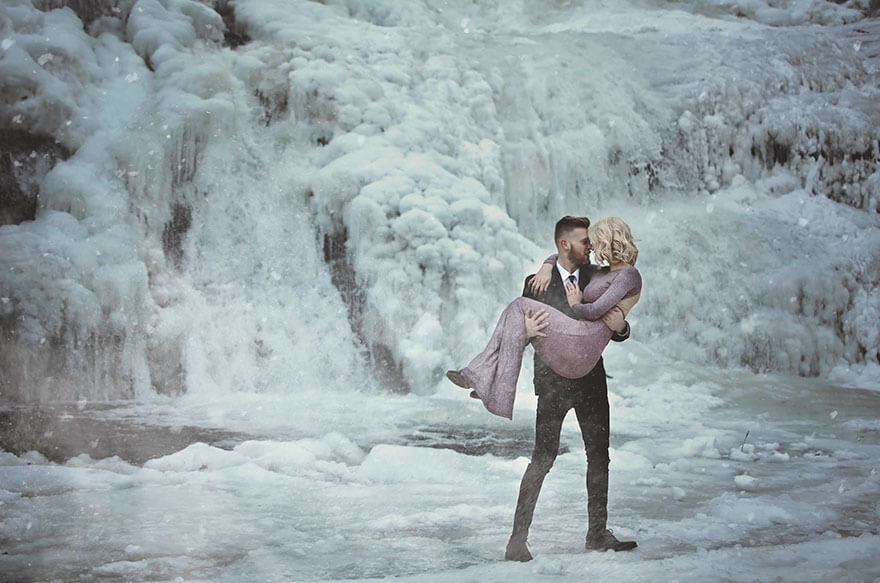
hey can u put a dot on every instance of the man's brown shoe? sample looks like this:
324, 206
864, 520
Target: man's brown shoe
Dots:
517, 550
605, 540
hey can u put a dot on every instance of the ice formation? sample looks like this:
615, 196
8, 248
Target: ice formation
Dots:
257, 195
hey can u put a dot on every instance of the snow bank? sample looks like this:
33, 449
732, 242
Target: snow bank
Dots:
785, 13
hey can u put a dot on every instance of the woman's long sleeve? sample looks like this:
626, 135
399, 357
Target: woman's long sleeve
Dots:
627, 283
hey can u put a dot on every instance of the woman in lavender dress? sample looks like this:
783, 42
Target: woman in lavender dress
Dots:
570, 347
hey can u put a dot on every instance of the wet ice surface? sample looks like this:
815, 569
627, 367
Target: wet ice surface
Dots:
720, 476
61, 432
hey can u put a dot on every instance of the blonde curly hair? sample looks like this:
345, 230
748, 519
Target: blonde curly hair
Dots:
613, 241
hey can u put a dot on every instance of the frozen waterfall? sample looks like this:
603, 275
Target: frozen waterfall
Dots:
260, 195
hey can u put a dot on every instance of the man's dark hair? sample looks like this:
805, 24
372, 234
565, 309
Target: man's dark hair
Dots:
569, 223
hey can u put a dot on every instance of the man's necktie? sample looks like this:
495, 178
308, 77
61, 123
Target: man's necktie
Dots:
573, 280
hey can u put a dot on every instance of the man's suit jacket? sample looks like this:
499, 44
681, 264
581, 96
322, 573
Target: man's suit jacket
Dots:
547, 381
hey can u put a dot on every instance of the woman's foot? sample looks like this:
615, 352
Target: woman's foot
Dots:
456, 377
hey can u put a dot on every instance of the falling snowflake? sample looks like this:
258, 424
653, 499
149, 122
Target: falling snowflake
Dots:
748, 324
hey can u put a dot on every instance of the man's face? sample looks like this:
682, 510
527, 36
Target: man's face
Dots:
576, 246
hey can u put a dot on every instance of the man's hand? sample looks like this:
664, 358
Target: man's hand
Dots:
614, 319
535, 323
541, 281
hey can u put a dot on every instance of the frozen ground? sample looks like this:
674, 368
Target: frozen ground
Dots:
720, 476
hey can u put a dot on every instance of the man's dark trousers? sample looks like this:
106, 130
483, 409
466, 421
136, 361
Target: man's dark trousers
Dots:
557, 395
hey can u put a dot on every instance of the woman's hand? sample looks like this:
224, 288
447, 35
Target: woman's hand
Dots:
535, 323
574, 294
541, 281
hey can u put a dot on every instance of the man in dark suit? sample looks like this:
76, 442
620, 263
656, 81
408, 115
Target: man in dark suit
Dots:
588, 396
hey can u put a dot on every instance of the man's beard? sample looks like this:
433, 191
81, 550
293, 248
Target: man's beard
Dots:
578, 259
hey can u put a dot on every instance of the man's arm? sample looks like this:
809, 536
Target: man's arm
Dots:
619, 327
613, 319
623, 335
